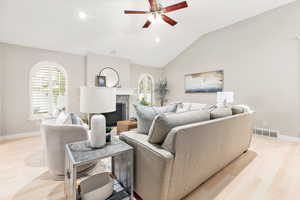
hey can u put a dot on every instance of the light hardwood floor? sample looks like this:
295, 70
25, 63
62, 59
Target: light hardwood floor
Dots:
270, 170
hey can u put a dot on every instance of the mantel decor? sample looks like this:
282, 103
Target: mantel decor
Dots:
108, 77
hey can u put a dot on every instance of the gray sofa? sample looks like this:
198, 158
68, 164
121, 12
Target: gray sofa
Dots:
199, 150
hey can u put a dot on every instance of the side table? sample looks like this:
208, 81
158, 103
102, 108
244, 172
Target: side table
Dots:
80, 153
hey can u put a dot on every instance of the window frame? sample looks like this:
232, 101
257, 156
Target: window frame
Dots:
141, 77
33, 70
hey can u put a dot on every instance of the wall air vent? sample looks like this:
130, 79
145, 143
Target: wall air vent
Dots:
266, 132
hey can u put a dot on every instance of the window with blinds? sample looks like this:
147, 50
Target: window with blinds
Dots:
48, 86
145, 89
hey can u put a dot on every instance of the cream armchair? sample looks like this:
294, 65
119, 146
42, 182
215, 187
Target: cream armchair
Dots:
55, 137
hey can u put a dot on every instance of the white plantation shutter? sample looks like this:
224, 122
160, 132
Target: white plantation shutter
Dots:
58, 83
145, 88
47, 83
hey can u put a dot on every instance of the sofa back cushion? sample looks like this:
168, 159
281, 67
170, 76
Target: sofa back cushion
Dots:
165, 122
146, 115
220, 112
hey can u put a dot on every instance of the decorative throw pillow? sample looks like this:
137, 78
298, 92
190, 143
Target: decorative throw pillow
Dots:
184, 107
220, 112
63, 118
237, 110
165, 122
75, 119
146, 114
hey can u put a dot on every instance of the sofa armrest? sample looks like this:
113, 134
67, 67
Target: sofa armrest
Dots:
153, 166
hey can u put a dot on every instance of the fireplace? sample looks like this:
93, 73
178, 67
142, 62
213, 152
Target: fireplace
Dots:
121, 113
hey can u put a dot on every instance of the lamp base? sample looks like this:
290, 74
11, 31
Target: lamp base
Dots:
98, 131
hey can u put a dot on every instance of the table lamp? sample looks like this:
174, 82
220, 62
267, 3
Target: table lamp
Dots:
225, 98
97, 100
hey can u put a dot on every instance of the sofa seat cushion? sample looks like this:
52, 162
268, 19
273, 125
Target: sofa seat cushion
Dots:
139, 139
220, 112
146, 115
165, 122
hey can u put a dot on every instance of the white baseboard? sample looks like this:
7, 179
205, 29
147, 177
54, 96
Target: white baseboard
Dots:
19, 136
288, 138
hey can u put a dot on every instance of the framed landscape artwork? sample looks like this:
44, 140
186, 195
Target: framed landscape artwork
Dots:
204, 82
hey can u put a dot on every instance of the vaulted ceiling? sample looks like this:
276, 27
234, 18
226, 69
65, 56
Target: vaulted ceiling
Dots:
55, 25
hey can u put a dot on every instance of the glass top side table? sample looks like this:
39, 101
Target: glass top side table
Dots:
80, 153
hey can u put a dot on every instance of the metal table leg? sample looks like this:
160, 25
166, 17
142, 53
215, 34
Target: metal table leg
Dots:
122, 168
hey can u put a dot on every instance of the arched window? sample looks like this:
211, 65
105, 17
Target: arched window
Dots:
146, 89
48, 89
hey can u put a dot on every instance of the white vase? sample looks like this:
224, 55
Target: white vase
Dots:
98, 131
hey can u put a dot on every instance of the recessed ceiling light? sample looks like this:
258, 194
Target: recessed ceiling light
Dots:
82, 15
157, 39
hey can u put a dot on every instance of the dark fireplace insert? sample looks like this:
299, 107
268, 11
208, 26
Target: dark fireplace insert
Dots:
119, 115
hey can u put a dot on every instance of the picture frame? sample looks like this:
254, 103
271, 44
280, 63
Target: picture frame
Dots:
100, 81
204, 82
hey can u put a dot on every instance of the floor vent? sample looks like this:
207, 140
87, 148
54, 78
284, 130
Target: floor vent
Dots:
266, 132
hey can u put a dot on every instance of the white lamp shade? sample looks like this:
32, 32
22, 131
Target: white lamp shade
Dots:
227, 97
97, 100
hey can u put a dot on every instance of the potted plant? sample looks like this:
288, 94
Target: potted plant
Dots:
162, 90
144, 102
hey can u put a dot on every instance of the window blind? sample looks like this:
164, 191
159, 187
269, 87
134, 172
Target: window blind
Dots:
47, 84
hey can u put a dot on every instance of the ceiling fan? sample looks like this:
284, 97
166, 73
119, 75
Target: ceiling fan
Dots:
157, 12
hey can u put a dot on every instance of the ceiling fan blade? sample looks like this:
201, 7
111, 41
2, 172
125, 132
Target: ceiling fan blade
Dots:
153, 4
135, 12
168, 20
175, 7
147, 24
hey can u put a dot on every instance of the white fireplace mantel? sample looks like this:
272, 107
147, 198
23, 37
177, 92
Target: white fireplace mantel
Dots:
126, 91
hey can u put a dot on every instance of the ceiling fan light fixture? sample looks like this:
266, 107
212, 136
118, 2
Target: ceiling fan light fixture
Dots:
157, 13
82, 15
155, 18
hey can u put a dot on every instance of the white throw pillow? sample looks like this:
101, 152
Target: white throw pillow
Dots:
184, 107
63, 118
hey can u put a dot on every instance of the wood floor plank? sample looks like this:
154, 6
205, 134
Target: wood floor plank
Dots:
270, 170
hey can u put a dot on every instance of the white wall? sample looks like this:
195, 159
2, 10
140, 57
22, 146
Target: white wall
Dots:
261, 59
97, 62
1, 86
129, 73
135, 72
18, 62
